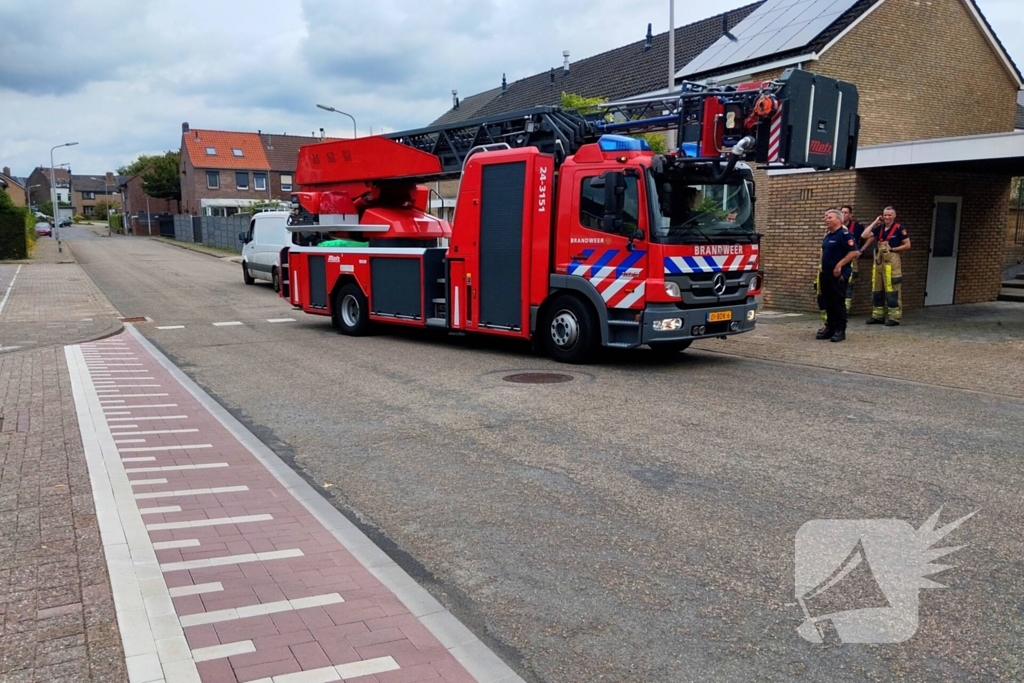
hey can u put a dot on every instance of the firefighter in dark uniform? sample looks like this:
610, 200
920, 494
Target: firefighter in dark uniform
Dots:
838, 249
855, 229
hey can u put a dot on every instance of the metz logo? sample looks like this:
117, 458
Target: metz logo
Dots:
334, 259
821, 148
857, 580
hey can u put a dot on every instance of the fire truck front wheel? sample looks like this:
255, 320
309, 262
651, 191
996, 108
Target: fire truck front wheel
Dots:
570, 335
350, 312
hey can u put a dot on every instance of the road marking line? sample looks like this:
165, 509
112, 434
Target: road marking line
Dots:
218, 616
142, 395
144, 449
155, 431
146, 459
196, 589
167, 545
140, 419
107, 372
196, 523
135, 386
178, 468
125, 412
152, 405
104, 364
225, 560
160, 510
129, 441
191, 492
146, 482
123, 427
241, 647
233, 322
170, 327
337, 673
3, 302
112, 400
280, 320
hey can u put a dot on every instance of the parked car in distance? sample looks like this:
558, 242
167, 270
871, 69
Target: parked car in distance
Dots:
261, 247
44, 229
66, 223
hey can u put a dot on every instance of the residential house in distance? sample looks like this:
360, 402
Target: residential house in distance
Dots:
225, 172
87, 191
14, 187
40, 188
139, 208
925, 146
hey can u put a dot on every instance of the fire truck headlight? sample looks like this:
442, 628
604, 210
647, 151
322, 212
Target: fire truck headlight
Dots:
672, 289
751, 314
668, 324
755, 285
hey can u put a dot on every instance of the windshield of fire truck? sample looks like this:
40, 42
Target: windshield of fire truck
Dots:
688, 210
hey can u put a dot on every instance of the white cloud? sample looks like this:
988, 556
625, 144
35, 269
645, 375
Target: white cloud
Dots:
120, 76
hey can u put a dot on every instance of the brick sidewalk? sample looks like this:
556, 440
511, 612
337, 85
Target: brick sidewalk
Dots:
226, 566
56, 609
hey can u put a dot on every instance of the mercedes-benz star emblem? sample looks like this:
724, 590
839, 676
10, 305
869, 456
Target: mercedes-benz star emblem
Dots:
719, 284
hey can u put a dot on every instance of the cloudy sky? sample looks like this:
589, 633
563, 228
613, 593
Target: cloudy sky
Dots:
120, 76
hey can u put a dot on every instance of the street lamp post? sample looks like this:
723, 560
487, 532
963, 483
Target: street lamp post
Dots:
53, 191
28, 194
355, 132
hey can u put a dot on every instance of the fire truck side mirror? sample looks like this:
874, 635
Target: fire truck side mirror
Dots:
614, 193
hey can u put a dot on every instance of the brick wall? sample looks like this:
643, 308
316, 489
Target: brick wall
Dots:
920, 68
1014, 253
793, 229
136, 200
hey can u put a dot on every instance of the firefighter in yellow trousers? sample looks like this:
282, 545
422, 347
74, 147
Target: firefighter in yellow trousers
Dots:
887, 273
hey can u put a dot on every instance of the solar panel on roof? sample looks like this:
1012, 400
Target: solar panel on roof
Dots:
774, 27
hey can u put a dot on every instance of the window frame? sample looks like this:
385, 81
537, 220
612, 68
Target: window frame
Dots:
240, 174
256, 177
215, 176
236, 152
85, 195
632, 183
286, 186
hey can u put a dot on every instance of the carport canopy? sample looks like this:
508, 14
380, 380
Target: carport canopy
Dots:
999, 153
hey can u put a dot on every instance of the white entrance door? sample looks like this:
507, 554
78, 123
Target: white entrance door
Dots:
942, 253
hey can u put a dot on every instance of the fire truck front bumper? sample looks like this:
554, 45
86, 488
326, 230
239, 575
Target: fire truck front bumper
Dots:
667, 322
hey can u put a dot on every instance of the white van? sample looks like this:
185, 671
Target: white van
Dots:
261, 250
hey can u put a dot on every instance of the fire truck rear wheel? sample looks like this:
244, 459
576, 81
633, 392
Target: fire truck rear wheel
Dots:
350, 313
669, 349
246, 278
570, 335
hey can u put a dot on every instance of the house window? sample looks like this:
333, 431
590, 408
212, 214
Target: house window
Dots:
88, 210
286, 182
211, 151
213, 180
259, 181
237, 152
242, 180
87, 195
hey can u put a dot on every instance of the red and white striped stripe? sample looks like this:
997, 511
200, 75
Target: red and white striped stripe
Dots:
775, 137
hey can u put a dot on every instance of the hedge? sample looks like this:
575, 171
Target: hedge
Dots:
13, 230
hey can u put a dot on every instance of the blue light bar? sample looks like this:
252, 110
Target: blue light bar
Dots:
622, 143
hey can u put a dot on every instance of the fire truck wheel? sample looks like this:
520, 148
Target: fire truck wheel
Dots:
246, 278
350, 313
669, 349
570, 335
276, 279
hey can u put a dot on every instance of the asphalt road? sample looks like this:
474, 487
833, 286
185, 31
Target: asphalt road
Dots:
636, 524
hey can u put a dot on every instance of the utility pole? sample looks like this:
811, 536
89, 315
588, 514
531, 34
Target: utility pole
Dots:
670, 136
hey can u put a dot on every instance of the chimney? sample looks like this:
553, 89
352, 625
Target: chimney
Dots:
7, 171
552, 74
565, 64
649, 42
184, 127
504, 84
455, 99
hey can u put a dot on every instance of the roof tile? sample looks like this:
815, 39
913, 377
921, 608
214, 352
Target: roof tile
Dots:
196, 141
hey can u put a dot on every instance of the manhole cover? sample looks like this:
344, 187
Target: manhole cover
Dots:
538, 378
136, 319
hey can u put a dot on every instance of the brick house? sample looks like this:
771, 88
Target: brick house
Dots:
138, 206
927, 146
14, 187
225, 172
87, 191
40, 176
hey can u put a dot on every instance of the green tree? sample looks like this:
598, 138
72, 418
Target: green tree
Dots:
46, 208
160, 176
592, 105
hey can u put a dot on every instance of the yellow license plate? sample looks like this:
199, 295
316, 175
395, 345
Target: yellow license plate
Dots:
719, 316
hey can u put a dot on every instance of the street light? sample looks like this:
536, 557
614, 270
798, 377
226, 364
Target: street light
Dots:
28, 194
355, 132
53, 191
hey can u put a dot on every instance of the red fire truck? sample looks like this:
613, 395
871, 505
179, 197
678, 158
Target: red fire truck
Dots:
566, 232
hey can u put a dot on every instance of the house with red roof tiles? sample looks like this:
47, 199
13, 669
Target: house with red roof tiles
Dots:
226, 172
